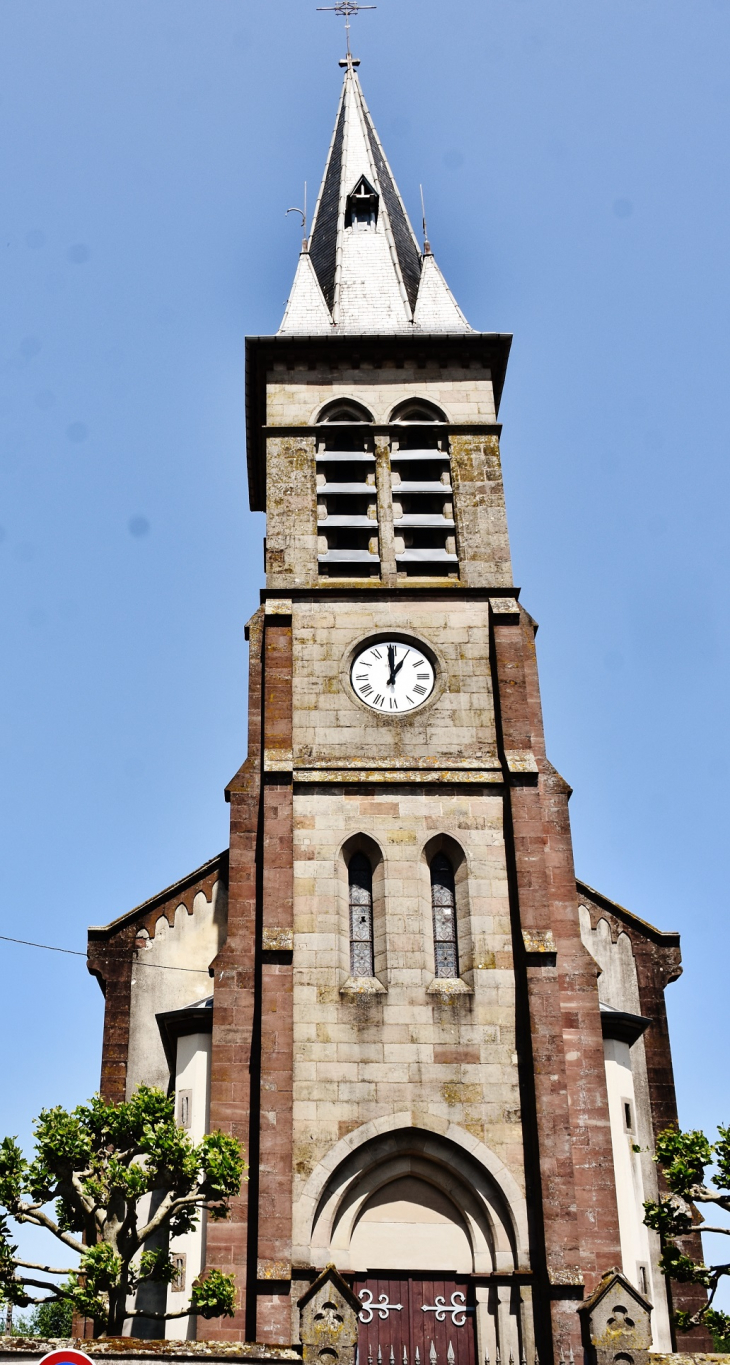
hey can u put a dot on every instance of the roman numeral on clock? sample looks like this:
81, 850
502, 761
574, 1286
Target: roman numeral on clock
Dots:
365, 690
420, 690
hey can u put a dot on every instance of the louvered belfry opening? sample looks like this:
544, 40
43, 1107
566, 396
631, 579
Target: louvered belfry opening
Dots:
360, 877
347, 505
423, 506
443, 904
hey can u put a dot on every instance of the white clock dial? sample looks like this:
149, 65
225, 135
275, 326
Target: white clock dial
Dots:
392, 676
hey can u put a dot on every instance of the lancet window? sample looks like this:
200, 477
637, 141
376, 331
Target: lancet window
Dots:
443, 905
360, 877
423, 500
347, 503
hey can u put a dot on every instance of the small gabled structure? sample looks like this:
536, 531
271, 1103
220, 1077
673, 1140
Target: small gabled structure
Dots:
617, 1322
328, 1320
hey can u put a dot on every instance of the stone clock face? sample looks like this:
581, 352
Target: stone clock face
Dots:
392, 676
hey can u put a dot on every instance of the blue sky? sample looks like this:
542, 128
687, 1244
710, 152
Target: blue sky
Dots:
574, 158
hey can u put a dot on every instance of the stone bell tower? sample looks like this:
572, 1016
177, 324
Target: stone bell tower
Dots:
427, 1105
446, 1058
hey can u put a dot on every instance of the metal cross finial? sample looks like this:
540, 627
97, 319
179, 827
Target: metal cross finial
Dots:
345, 8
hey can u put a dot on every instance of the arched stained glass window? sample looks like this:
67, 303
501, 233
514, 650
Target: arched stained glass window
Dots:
360, 875
443, 903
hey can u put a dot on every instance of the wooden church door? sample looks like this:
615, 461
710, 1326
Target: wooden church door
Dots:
413, 1320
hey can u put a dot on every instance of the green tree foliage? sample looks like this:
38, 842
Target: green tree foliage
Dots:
94, 1165
684, 1159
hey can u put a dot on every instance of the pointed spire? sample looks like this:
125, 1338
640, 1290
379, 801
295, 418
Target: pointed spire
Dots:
436, 307
306, 311
363, 270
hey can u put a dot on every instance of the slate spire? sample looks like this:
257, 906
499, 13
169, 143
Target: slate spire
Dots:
362, 269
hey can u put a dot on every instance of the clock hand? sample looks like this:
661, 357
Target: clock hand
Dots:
399, 666
391, 665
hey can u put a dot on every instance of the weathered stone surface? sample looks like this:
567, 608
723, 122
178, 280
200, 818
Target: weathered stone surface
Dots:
134, 1351
617, 1320
328, 1321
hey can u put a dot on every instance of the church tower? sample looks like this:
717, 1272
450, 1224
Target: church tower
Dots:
441, 1052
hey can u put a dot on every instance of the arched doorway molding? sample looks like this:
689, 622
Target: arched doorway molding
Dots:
445, 1155
336, 1224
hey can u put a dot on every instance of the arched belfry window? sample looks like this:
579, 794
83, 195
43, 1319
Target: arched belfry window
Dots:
347, 411
422, 491
443, 904
360, 877
347, 498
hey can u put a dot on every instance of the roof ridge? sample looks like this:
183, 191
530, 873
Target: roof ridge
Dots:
616, 906
371, 137
96, 931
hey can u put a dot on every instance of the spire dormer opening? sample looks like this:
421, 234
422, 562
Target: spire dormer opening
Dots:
361, 211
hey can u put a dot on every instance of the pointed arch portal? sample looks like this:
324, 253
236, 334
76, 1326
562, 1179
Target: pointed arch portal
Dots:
417, 1217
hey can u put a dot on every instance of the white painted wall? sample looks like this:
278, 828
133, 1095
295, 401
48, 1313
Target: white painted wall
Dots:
192, 1074
635, 1251
185, 951
626, 1075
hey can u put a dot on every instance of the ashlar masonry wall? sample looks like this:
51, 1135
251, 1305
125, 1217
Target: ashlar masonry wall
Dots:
465, 395
294, 402
412, 1048
408, 1044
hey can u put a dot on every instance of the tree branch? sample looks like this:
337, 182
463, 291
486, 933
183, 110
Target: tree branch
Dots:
76, 1184
30, 1300
37, 1284
167, 1208
161, 1216
165, 1317
37, 1216
706, 1227
701, 1194
49, 1269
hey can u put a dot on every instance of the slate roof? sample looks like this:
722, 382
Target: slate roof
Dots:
374, 280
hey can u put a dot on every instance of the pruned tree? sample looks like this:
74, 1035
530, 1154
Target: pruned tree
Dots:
684, 1159
95, 1165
